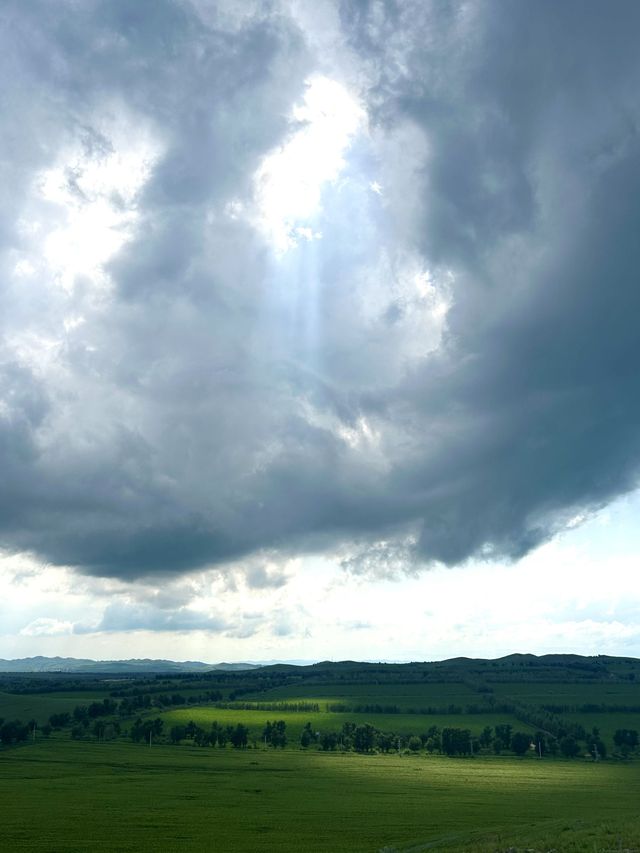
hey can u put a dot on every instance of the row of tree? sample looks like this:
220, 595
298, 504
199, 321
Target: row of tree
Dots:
218, 735
84, 714
592, 708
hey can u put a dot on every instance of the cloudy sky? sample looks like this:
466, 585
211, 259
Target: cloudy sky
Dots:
319, 328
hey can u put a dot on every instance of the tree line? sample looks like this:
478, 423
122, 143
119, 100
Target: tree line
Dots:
363, 738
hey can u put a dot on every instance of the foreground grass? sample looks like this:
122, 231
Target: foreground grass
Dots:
67, 796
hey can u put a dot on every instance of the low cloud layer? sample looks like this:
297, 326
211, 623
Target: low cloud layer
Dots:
122, 617
424, 350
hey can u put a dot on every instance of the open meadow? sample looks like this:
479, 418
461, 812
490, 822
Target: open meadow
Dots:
386, 758
40, 706
73, 797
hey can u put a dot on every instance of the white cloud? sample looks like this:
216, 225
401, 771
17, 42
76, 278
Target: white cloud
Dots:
290, 180
92, 193
554, 600
44, 627
246, 317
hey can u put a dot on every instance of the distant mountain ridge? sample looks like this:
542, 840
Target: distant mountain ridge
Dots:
538, 666
133, 665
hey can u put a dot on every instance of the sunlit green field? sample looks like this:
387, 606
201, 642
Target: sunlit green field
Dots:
321, 721
66, 796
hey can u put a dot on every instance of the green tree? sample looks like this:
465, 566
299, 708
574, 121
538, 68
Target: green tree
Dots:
433, 739
346, 735
386, 741
486, 738
540, 743
81, 714
328, 741
177, 734
239, 736
279, 734
13, 732
456, 741
626, 737
202, 737
569, 747
502, 736
364, 738
59, 721
219, 736
146, 730
520, 743
596, 747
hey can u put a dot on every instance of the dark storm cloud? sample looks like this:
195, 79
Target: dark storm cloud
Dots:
531, 197
215, 402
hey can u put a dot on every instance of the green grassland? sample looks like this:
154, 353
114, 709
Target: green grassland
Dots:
67, 795
607, 723
70, 797
570, 694
322, 721
441, 695
40, 706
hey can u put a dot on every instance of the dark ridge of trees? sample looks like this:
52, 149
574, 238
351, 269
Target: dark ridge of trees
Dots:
592, 708
435, 710
308, 707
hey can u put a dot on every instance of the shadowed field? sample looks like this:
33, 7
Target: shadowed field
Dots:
40, 706
68, 796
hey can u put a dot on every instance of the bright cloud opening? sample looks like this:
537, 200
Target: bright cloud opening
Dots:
290, 180
95, 192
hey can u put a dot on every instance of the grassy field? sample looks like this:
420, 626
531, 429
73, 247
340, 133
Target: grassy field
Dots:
422, 695
40, 706
322, 721
77, 795
402, 695
570, 694
68, 796
607, 723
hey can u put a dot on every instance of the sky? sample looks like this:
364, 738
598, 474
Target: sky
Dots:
319, 328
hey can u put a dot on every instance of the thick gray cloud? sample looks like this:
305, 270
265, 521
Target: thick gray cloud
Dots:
199, 399
531, 197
